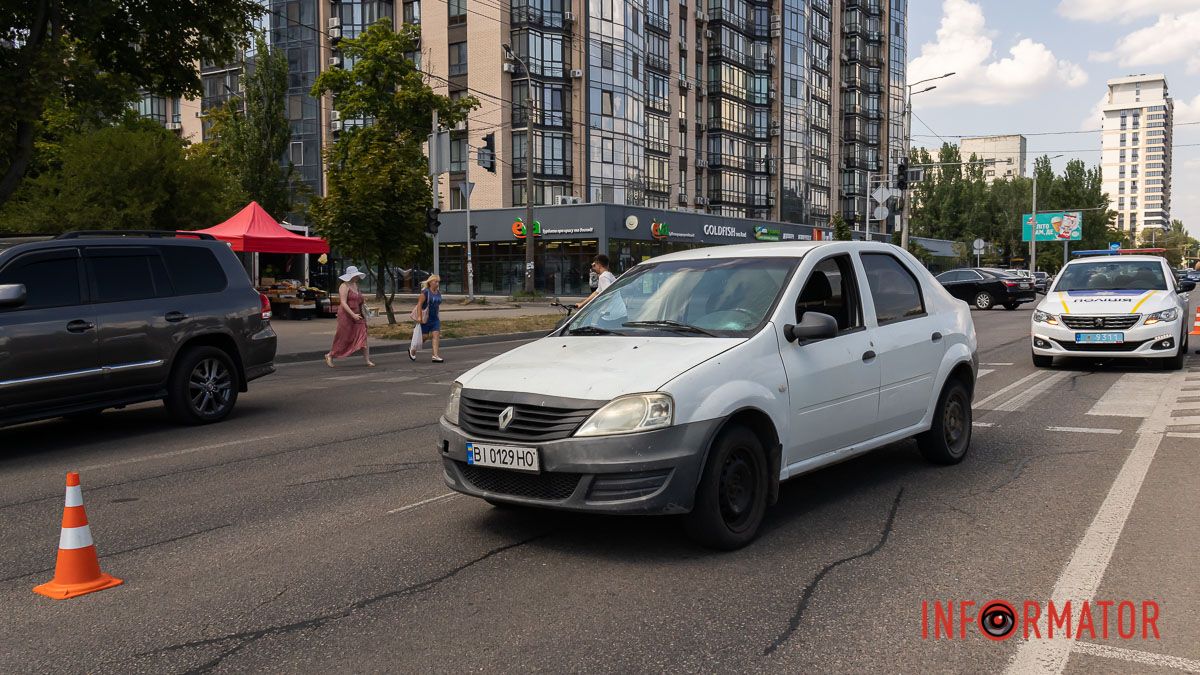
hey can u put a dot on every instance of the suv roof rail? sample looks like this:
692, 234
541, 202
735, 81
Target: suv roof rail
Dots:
77, 234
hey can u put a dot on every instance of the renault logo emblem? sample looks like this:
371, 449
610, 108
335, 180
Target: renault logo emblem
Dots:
506, 417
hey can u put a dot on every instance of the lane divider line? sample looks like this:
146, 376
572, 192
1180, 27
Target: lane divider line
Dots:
1015, 385
1136, 656
1022, 398
1084, 430
423, 502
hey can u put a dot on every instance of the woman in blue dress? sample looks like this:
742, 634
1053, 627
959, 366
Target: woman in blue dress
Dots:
431, 299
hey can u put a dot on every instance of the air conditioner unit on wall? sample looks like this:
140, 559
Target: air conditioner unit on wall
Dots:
335, 22
568, 16
335, 127
335, 34
335, 115
508, 68
576, 73
335, 62
567, 199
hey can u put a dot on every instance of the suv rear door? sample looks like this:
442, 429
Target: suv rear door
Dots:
48, 345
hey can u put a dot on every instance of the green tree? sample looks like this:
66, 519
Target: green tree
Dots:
146, 181
251, 133
841, 229
377, 183
97, 54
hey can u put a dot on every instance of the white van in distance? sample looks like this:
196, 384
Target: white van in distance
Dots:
701, 379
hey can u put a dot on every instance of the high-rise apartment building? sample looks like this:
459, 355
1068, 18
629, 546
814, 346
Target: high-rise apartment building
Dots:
1006, 154
1136, 141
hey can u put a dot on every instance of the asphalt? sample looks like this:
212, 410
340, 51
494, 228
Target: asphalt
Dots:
312, 532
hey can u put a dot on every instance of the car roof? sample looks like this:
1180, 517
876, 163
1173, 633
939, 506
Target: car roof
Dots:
775, 249
1116, 258
43, 243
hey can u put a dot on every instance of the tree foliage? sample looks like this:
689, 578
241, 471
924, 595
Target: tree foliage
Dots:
97, 54
377, 183
1178, 243
841, 229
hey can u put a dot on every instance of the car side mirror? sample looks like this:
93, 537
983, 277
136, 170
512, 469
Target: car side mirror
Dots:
1186, 285
814, 326
12, 295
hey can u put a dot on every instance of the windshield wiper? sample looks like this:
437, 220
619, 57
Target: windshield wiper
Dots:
673, 325
591, 330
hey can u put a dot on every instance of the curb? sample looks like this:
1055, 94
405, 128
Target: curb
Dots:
393, 346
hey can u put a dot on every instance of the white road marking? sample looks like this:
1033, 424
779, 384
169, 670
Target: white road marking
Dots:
985, 425
423, 502
176, 453
416, 393
340, 378
1135, 656
1134, 395
1083, 573
1026, 396
995, 364
1084, 430
1015, 385
985, 371
395, 380
1182, 434
1183, 421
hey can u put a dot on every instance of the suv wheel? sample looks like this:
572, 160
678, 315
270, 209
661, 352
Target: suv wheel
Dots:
948, 439
203, 387
984, 300
732, 496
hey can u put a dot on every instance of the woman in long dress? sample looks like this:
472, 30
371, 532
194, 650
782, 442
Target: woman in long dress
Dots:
351, 333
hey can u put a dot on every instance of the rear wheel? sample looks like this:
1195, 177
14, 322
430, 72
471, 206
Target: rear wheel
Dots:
203, 387
948, 439
732, 496
983, 300
1040, 361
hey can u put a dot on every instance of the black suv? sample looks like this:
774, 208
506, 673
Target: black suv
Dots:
95, 320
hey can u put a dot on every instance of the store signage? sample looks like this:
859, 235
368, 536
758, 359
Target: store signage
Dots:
659, 229
788, 236
568, 230
764, 233
518, 229
724, 231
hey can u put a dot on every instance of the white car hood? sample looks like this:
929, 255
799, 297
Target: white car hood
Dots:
599, 367
1106, 302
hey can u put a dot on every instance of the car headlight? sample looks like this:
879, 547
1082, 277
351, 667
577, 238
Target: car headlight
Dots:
452, 405
629, 414
1165, 315
1044, 317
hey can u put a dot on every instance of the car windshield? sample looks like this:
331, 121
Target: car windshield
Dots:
1116, 275
722, 297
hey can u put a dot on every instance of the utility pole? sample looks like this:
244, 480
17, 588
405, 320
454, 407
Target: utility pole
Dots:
530, 146
436, 180
1033, 231
908, 148
468, 188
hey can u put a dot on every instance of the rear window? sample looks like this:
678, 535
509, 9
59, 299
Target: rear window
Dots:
894, 290
193, 270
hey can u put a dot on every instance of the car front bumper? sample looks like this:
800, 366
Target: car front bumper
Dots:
654, 472
1140, 342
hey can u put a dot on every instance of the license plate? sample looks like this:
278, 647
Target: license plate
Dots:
1103, 338
503, 457
1026, 285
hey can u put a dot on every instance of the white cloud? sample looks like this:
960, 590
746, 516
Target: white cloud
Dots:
1123, 11
964, 46
1187, 111
1172, 38
1095, 116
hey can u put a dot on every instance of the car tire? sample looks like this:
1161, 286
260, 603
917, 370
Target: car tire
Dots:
1010, 306
731, 497
1176, 362
1040, 361
203, 387
983, 300
949, 438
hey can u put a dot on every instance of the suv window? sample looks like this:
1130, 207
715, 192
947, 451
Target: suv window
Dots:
894, 289
831, 289
193, 269
119, 276
49, 281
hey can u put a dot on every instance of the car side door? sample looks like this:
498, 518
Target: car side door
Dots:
954, 282
48, 344
969, 286
833, 383
907, 340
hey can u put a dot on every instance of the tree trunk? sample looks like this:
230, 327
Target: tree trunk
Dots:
390, 298
379, 274
22, 150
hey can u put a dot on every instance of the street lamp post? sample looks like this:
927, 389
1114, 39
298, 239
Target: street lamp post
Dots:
908, 147
529, 156
1033, 226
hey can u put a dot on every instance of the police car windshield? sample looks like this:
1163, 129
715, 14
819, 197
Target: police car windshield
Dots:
1117, 275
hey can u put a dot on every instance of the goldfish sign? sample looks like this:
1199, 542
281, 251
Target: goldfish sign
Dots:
659, 230
518, 229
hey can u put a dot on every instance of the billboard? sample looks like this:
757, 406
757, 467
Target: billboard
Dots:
1053, 226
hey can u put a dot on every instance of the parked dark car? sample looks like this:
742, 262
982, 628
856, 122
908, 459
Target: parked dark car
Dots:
90, 321
1041, 280
984, 287
1193, 275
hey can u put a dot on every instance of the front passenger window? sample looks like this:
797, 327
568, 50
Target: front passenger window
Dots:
50, 282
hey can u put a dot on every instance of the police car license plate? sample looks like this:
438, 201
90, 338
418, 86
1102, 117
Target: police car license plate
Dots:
503, 457
1100, 338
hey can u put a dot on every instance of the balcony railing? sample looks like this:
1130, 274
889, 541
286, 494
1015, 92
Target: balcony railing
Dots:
658, 62
658, 23
546, 168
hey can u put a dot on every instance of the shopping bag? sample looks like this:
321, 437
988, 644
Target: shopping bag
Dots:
415, 344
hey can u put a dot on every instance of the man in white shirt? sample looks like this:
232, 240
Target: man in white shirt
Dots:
605, 279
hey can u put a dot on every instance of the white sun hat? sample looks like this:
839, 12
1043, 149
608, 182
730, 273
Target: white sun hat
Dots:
352, 272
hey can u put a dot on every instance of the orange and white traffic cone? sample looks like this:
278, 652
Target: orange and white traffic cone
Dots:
78, 569
1196, 328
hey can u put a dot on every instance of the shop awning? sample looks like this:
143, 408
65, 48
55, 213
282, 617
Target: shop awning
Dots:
253, 230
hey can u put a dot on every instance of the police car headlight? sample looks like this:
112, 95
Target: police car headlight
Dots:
452, 405
629, 414
1044, 317
1163, 316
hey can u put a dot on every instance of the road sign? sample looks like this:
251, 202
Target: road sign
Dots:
881, 212
1053, 226
1114, 246
881, 195
979, 245
467, 187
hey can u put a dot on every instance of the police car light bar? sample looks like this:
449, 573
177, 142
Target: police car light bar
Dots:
1120, 251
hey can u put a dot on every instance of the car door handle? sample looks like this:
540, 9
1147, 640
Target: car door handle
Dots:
936, 337
80, 326
175, 316
868, 355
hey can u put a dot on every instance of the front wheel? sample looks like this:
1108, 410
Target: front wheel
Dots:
1040, 361
984, 300
1176, 362
1010, 306
732, 495
203, 387
948, 439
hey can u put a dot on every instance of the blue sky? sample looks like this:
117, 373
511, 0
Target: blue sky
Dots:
1027, 66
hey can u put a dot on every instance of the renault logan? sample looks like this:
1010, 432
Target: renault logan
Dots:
701, 379
1128, 307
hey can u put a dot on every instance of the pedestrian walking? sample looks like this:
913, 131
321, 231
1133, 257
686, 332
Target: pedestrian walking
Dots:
351, 333
604, 278
429, 301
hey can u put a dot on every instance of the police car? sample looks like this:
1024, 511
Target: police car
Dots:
1121, 306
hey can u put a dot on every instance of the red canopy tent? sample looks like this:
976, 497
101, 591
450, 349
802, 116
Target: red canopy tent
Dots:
253, 230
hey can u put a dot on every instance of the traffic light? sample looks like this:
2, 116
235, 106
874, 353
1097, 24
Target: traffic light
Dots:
486, 156
474, 232
431, 220
902, 175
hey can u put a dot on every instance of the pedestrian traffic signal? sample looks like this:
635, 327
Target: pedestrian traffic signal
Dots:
486, 156
474, 231
902, 175
431, 220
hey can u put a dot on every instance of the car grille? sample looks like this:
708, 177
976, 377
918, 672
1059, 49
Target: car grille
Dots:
1118, 321
618, 486
1101, 347
546, 486
530, 423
